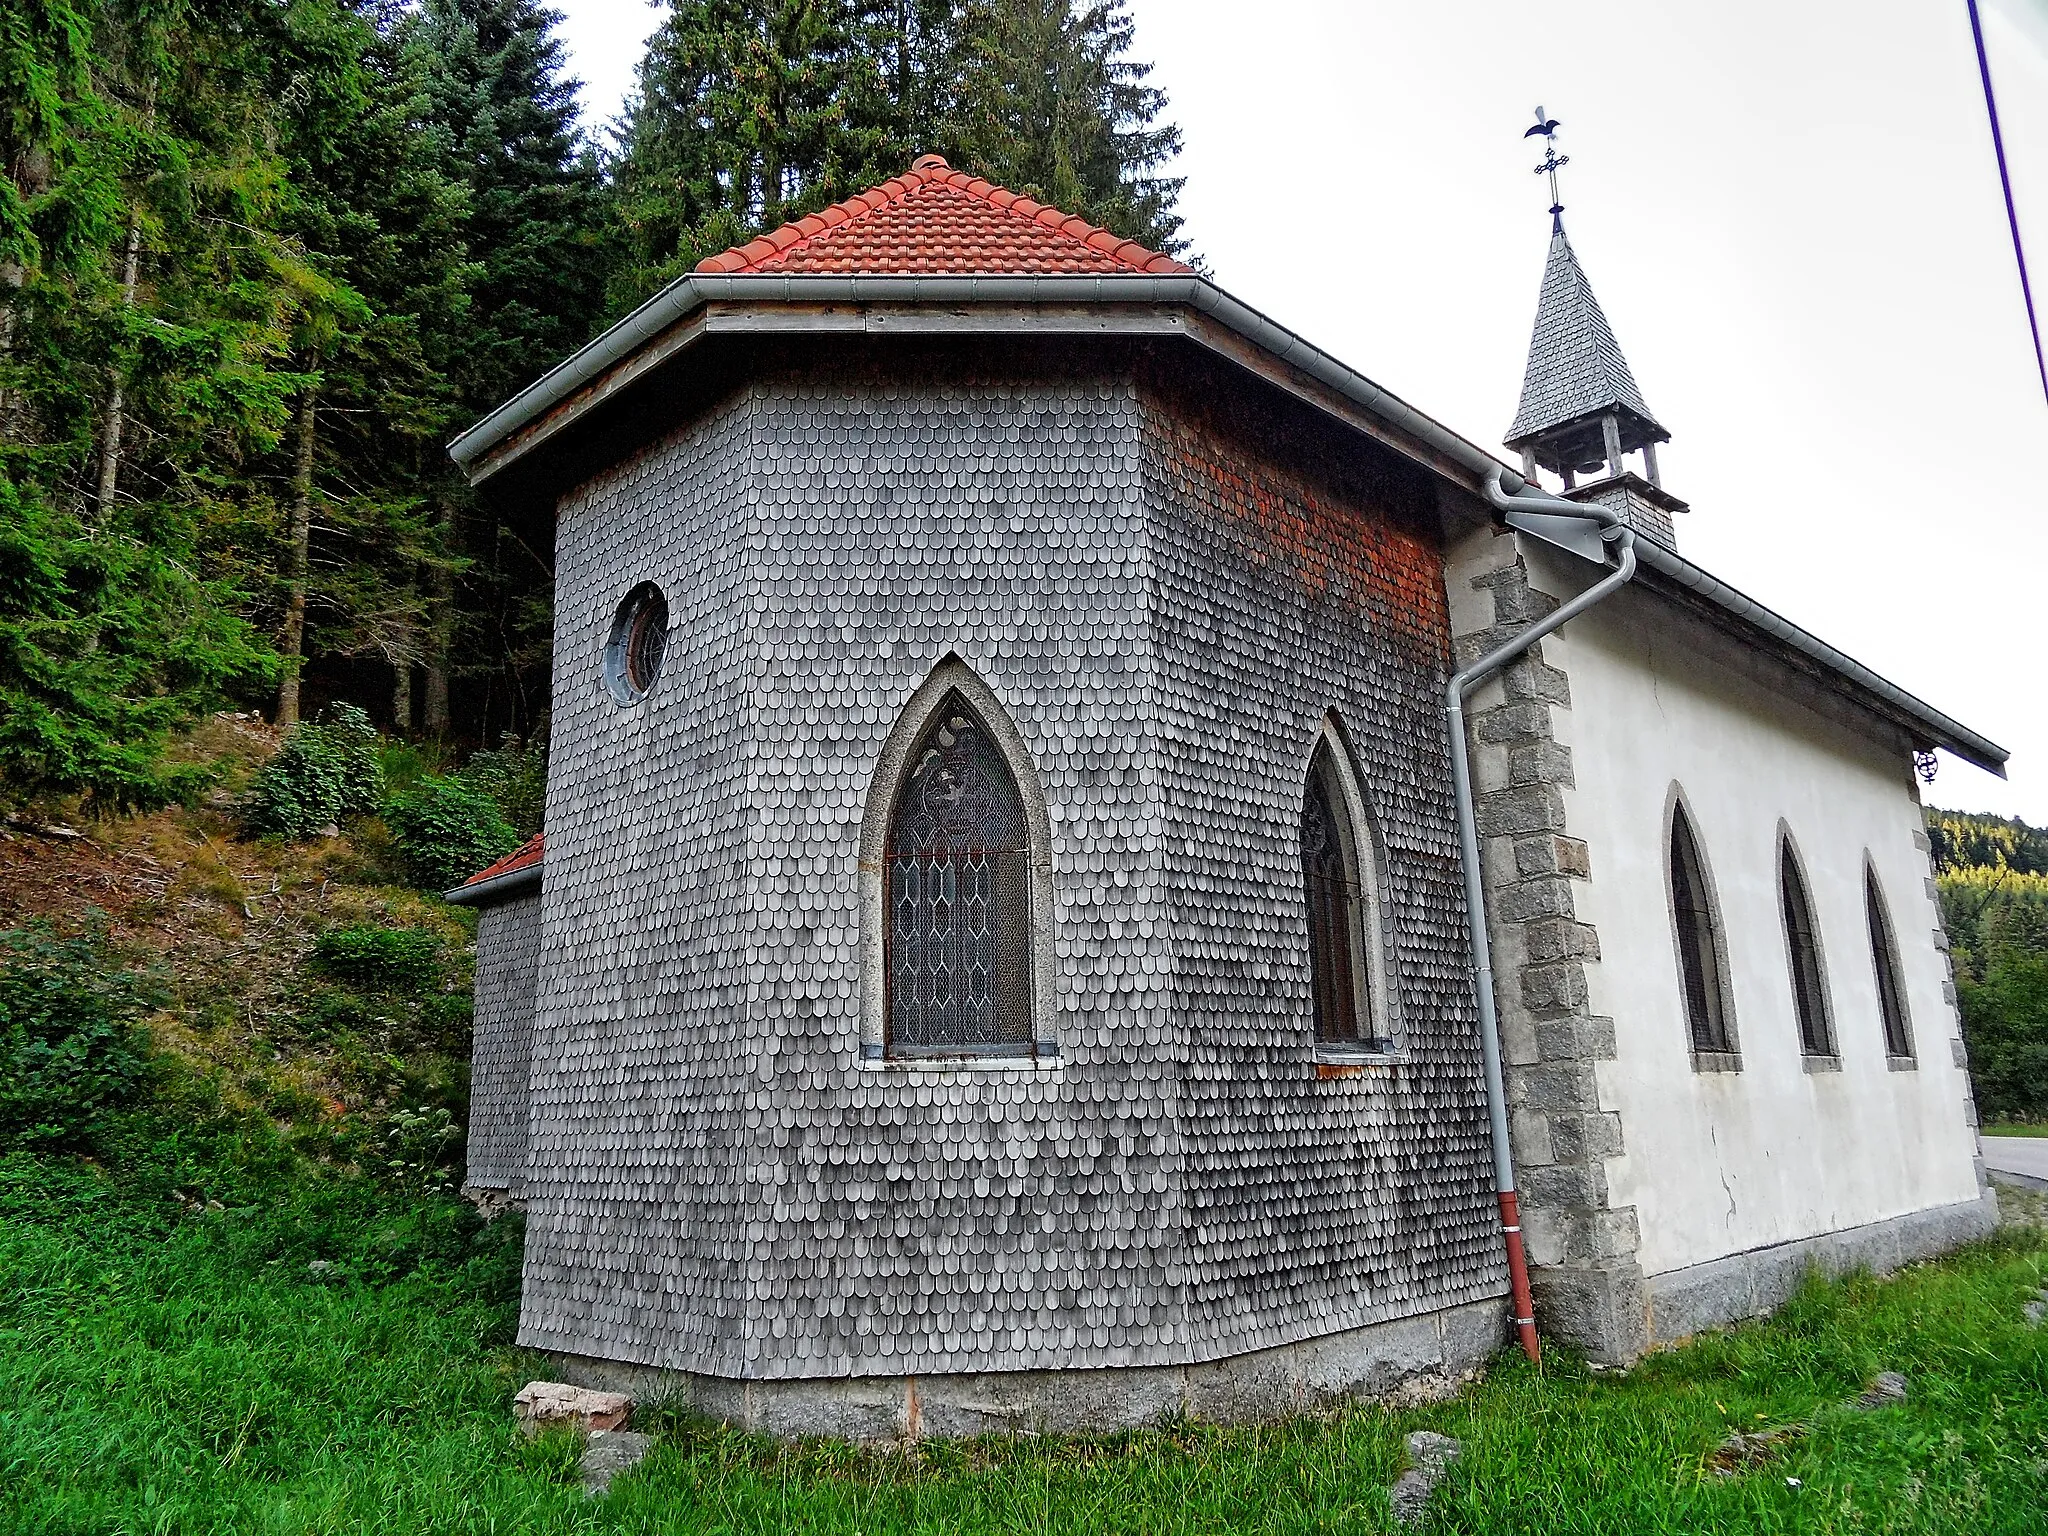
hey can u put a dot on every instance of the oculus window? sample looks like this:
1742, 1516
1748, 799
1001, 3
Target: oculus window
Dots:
638, 642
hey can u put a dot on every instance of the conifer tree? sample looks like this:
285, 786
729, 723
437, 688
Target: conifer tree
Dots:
381, 226
501, 108
754, 112
142, 374
1052, 105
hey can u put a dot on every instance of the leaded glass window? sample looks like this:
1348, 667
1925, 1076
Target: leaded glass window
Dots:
958, 887
1884, 953
1699, 941
1802, 942
1340, 912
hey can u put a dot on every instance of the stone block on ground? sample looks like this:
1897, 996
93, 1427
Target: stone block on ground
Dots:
544, 1404
1887, 1389
610, 1452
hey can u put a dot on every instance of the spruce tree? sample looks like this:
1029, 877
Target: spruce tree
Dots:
501, 110
378, 221
142, 374
754, 112
1051, 104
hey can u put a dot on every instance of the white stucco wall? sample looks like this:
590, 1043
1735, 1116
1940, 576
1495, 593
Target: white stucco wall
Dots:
1715, 1163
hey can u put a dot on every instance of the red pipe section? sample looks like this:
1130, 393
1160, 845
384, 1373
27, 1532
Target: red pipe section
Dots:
1518, 1276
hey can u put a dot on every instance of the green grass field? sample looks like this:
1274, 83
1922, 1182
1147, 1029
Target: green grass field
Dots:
2014, 1128
171, 1371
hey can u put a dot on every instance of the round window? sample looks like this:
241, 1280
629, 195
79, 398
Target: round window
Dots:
632, 657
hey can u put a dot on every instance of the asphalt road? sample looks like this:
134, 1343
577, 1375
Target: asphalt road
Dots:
2023, 1155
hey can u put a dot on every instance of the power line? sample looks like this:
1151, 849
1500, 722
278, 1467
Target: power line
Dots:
2012, 215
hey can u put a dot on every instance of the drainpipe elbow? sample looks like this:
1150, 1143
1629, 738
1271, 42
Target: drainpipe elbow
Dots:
1507, 491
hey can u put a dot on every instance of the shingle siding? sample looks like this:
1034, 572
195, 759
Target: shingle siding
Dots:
1314, 1203
716, 1182
507, 972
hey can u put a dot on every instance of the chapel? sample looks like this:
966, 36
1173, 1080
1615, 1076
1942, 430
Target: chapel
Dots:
1030, 735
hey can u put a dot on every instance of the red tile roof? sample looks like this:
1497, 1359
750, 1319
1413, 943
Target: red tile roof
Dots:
525, 856
934, 220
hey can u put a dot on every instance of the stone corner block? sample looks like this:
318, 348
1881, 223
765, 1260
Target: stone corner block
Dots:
1600, 1310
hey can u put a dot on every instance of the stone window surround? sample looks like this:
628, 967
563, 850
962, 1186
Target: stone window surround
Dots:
1382, 1003
1730, 1060
952, 675
1829, 1060
1873, 886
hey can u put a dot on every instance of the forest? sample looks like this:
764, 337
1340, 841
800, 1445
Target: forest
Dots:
261, 259
1992, 877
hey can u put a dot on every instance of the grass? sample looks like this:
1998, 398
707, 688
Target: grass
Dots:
2015, 1128
317, 1356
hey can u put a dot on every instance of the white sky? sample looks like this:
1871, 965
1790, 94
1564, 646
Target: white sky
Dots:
1791, 215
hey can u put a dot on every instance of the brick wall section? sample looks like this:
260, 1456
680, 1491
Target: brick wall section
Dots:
507, 973
1582, 1248
1313, 1202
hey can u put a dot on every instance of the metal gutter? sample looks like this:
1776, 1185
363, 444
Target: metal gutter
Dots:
1585, 530
689, 294
497, 888
1941, 730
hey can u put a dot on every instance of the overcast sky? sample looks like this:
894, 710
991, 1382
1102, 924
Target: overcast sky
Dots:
1790, 213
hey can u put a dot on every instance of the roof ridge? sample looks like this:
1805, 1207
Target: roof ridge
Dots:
932, 170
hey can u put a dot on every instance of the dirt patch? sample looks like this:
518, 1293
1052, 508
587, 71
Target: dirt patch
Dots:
1745, 1450
225, 926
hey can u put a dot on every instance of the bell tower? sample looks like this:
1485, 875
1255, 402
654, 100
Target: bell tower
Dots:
1581, 413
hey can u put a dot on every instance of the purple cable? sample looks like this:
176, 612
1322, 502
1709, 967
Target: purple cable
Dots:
2012, 215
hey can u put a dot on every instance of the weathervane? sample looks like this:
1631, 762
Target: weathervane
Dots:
1553, 162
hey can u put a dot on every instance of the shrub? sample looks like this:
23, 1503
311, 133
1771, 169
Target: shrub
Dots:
516, 777
380, 959
70, 1047
327, 769
2005, 1027
420, 1146
446, 830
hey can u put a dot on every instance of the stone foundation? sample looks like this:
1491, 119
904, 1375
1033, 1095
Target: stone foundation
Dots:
1682, 1302
1414, 1358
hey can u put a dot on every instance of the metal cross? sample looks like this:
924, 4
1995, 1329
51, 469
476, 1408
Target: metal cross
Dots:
1553, 162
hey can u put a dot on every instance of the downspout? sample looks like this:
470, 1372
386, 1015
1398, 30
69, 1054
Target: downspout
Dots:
1611, 530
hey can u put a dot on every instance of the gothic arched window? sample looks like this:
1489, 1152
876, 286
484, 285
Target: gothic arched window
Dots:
1884, 953
1340, 881
1699, 942
1802, 943
957, 888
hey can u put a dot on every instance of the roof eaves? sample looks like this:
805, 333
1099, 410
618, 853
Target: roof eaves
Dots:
478, 450
1934, 727
497, 888
687, 295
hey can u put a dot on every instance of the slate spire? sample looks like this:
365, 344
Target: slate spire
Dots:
1581, 409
